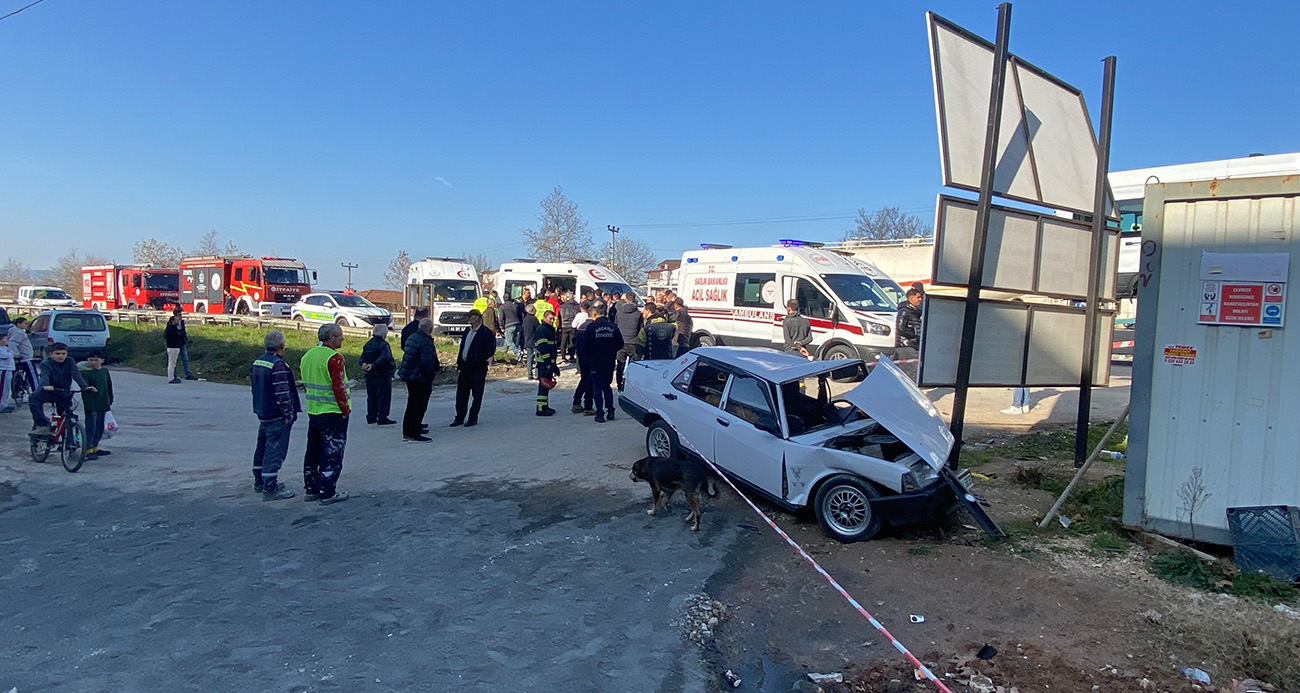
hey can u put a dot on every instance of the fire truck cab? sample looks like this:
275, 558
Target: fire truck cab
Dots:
265, 286
111, 287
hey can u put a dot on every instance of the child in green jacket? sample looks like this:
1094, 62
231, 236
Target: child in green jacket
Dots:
97, 403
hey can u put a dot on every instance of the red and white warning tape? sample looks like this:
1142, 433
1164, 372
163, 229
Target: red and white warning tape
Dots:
916, 663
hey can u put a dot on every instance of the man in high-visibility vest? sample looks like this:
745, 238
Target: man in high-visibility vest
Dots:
328, 408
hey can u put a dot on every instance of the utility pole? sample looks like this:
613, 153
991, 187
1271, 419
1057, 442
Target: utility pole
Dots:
613, 234
349, 266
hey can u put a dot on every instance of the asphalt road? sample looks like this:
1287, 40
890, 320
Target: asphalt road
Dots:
516, 555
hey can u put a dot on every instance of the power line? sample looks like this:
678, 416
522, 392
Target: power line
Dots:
748, 222
20, 9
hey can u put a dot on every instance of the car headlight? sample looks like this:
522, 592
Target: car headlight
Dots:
875, 328
919, 475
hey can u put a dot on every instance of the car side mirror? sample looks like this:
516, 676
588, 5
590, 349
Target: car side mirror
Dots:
313, 276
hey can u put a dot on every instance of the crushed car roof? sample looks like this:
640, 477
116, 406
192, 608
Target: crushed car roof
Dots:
774, 365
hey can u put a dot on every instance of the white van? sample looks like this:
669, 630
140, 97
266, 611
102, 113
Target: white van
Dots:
47, 296
447, 285
575, 276
736, 297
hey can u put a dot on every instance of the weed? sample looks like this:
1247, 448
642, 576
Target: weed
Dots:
1182, 568
919, 550
1057, 444
1107, 541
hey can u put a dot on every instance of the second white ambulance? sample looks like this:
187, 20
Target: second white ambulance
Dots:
448, 286
737, 296
577, 276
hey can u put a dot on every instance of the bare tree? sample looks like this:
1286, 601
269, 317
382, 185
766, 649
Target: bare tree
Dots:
561, 234
480, 261
398, 269
208, 245
66, 273
633, 260
1193, 495
151, 251
15, 272
886, 223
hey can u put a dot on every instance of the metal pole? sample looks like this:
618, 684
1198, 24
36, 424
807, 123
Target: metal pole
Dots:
349, 267
613, 232
1096, 263
982, 214
1082, 470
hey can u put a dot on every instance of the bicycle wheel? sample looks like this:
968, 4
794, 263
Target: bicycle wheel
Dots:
40, 449
73, 449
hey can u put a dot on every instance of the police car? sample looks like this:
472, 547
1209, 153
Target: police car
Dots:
343, 308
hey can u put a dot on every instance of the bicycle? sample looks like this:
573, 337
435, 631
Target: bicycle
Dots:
66, 434
22, 386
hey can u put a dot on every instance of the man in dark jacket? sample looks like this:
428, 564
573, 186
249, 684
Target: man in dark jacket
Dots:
659, 333
627, 317
276, 403
378, 363
685, 328
603, 344
412, 327
568, 310
797, 330
477, 347
582, 393
419, 368
907, 325
508, 316
528, 337
185, 344
547, 369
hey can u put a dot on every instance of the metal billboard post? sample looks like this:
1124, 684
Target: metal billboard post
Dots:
1099, 231
967, 349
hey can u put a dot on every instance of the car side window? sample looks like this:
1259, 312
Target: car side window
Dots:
683, 380
708, 383
253, 275
239, 274
40, 324
749, 399
812, 302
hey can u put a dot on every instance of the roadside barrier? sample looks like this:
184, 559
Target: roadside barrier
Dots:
159, 317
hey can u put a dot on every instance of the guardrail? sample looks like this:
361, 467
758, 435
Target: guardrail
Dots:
159, 317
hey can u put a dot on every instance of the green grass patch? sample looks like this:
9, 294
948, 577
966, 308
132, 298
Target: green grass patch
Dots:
1183, 568
918, 550
224, 354
1053, 445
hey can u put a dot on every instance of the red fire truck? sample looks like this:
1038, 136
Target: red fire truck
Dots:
266, 286
109, 287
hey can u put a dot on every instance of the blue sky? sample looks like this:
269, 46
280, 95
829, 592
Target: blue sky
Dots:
336, 131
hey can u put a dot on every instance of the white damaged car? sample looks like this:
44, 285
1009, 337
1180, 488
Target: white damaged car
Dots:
869, 456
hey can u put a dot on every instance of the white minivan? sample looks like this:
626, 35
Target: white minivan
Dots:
84, 331
737, 296
577, 276
44, 296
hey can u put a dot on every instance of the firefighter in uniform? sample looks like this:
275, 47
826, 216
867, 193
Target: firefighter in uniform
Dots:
547, 370
328, 408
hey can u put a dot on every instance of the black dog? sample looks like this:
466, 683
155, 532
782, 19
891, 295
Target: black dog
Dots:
667, 476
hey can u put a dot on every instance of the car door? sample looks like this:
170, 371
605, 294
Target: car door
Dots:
747, 438
696, 397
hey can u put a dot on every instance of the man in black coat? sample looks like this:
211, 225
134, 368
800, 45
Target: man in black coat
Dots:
685, 328
797, 330
907, 326
627, 317
378, 363
603, 344
477, 346
419, 368
413, 326
568, 311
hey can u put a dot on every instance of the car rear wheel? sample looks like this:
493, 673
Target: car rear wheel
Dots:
705, 339
843, 509
661, 441
299, 318
341, 322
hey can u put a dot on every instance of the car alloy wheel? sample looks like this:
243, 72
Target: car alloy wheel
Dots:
661, 441
843, 508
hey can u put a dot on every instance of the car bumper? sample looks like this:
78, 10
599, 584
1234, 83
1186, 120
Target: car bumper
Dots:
935, 500
632, 409
445, 330
267, 309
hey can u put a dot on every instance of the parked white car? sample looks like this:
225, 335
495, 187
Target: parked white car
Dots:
45, 296
341, 308
860, 459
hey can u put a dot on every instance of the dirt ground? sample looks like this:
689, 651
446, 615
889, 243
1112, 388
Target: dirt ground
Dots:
518, 556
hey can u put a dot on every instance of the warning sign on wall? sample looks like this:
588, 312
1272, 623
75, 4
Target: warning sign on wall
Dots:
1243, 289
1180, 355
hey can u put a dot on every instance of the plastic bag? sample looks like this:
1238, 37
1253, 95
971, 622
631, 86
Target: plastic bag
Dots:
110, 425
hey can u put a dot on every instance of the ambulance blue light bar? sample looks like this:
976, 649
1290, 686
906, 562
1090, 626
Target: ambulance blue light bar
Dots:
791, 243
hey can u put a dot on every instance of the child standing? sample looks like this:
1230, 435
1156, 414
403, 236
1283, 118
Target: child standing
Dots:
6, 374
98, 400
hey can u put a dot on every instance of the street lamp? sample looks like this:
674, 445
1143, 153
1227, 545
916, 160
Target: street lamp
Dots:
613, 231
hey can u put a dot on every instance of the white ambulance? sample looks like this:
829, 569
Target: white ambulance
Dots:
576, 276
736, 297
448, 286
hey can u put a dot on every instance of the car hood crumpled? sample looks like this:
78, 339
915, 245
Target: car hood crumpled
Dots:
890, 398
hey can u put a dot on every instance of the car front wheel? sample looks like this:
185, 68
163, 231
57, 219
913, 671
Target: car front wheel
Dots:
843, 509
661, 441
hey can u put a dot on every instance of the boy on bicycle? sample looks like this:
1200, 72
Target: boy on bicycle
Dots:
21, 345
57, 375
97, 402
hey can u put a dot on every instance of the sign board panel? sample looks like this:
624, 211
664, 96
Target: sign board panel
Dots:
1026, 252
1047, 153
1016, 344
1243, 289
